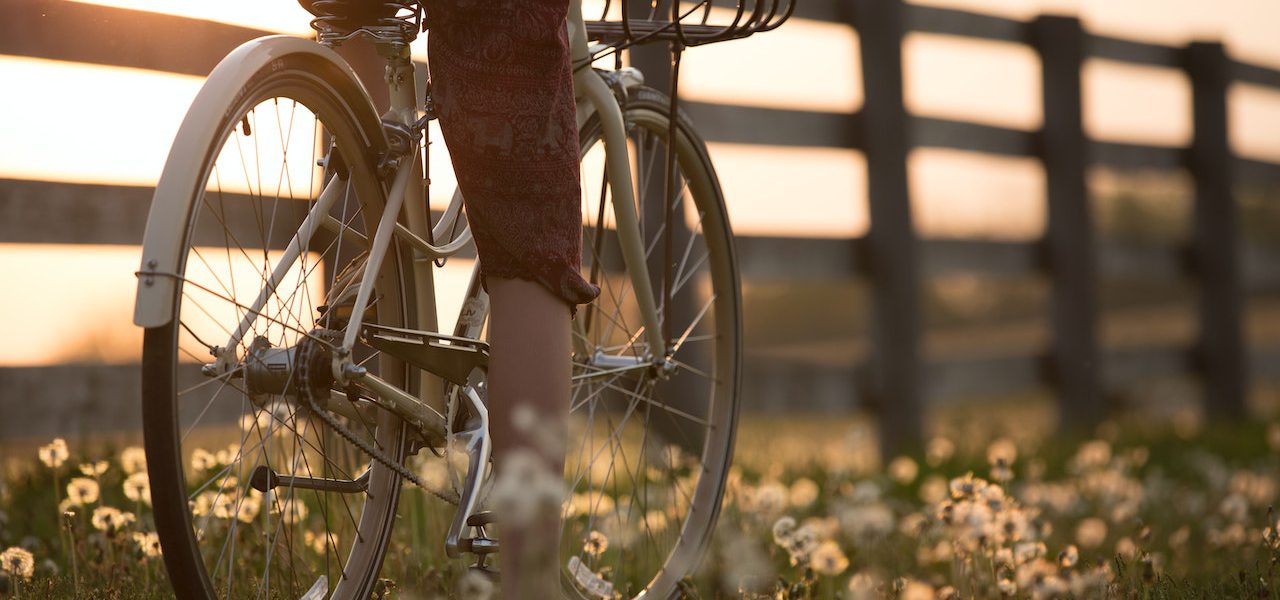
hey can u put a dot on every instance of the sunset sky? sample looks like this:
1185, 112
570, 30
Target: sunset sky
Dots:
805, 65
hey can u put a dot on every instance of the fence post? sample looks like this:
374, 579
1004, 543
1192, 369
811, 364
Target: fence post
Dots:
1069, 244
1221, 350
891, 242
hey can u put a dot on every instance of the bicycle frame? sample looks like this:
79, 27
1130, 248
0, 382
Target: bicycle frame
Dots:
405, 218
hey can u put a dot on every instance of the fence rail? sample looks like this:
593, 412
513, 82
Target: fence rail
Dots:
900, 380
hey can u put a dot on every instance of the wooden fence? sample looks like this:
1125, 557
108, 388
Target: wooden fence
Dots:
896, 382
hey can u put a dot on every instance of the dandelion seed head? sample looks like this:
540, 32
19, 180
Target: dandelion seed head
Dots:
939, 450
903, 470
18, 562
803, 493
133, 460
148, 542
137, 487
1069, 556
110, 520
82, 491
1002, 452
933, 489
54, 454
475, 586
595, 544
1091, 532
828, 559
94, 469
862, 586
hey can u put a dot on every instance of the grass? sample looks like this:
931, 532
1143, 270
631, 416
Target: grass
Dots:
1178, 509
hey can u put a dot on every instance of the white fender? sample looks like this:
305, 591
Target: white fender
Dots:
183, 174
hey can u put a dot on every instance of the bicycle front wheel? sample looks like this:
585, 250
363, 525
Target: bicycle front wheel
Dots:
255, 493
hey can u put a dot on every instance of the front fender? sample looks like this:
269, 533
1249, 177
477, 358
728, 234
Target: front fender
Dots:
183, 177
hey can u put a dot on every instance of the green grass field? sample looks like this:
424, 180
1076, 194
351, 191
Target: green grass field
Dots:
992, 507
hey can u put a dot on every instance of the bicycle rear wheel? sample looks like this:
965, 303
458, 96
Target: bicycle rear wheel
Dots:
255, 494
648, 451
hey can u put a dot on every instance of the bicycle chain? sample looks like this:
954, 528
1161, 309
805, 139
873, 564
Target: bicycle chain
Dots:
377, 454
329, 419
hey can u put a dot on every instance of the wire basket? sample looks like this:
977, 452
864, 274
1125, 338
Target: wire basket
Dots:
623, 23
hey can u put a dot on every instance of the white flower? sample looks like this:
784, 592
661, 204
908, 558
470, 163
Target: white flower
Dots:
525, 488
110, 520
82, 490
828, 559
803, 493
137, 487
17, 562
903, 470
133, 460
54, 454
94, 469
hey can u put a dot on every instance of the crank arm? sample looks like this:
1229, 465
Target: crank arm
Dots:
264, 480
478, 449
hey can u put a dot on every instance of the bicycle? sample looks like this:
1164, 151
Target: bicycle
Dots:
287, 291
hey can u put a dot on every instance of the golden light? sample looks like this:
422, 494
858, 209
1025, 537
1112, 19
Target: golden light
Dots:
1254, 121
801, 192
1130, 103
964, 194
970, 80
283, 16
120, 133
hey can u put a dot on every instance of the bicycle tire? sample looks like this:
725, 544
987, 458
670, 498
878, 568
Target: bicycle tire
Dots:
620, 569
199, 535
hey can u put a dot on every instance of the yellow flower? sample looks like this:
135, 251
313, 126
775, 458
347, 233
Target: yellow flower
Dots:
110, 519
54, 454
18, 562
137, 487
82, 490
148, 543
133, 459
94, 469
828, 559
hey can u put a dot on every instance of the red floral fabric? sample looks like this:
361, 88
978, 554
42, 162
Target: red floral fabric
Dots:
503, 86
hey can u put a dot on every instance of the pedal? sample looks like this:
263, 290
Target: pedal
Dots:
479, 546
482, 518
452, 358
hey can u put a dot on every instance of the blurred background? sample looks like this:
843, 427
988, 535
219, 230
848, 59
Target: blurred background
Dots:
1072, 258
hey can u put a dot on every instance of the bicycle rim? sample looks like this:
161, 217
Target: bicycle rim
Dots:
210, 437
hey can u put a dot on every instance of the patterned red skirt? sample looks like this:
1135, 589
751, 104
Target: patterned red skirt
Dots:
503, 86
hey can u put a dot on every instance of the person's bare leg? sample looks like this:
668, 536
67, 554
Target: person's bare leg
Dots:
529, 376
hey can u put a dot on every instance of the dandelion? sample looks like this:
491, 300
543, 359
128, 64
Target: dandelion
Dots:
862, 587
916, 590
782, 530
769, 499
1002, 452
802, 542
110, 520
1091, 532
94, 469
54, 453
248, 509
474, 586
947, 592
17, 562
318, 543
133, 460
803, 493
1007, 587
828, 559
1126, 548
1069, 557
939, 450
82, 491
137, 487
903, 470
202, 460
596, 543
148, 543
1093, 454
526, 488
933, 489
